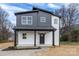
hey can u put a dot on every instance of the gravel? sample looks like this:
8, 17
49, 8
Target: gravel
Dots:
5, 51
18, 52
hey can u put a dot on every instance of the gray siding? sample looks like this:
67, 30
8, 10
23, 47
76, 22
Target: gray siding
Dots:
36, 19
48, 19
18, 22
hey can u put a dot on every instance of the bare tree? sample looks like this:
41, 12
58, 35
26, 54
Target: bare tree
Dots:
5, 25
69, 16
72, 14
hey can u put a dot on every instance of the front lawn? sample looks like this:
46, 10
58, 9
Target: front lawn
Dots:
68, 43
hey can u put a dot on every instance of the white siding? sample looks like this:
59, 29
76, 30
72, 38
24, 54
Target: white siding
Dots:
30, 38
38, 37
55, 25
48, 38
56, 36
26, 42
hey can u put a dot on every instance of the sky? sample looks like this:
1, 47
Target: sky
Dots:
12, 8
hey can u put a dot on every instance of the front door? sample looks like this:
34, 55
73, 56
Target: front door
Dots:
42, 38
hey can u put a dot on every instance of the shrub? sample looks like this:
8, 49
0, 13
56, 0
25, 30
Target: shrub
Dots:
72, 36
64, 37
75, 35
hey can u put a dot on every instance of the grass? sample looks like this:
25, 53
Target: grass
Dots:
69, 43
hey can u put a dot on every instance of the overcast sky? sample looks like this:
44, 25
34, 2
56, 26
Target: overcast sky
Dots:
12, 8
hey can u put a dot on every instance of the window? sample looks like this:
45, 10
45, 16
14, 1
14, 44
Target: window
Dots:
26, 20
55, 21
42, 19
24, 35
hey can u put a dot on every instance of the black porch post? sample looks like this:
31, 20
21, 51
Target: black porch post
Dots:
34, 38
15, 38
53, 38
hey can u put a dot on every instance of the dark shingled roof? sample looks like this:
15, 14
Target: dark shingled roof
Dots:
36, 10
35, 28
26, 12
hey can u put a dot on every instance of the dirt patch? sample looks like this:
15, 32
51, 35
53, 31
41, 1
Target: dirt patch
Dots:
63, 50
6, 45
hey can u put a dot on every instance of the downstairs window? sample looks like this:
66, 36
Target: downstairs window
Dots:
24, 36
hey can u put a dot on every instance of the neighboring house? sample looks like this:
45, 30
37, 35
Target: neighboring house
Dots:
36, 28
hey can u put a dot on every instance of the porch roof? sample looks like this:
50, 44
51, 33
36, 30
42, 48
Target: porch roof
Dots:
35, 28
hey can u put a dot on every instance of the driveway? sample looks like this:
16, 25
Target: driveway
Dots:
5, 51
17, 52
63, 50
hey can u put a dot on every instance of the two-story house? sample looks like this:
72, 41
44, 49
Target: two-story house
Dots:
36, 28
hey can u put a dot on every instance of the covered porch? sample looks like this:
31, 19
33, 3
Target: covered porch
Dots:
36, 37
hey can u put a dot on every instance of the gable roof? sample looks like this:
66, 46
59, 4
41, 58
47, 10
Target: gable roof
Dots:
36, 10
24, 12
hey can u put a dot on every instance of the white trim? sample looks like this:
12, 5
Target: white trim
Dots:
42, 19
30, 38
26, 21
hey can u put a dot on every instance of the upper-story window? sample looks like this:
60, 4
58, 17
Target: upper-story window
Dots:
55, 21
26, 20
42, 19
